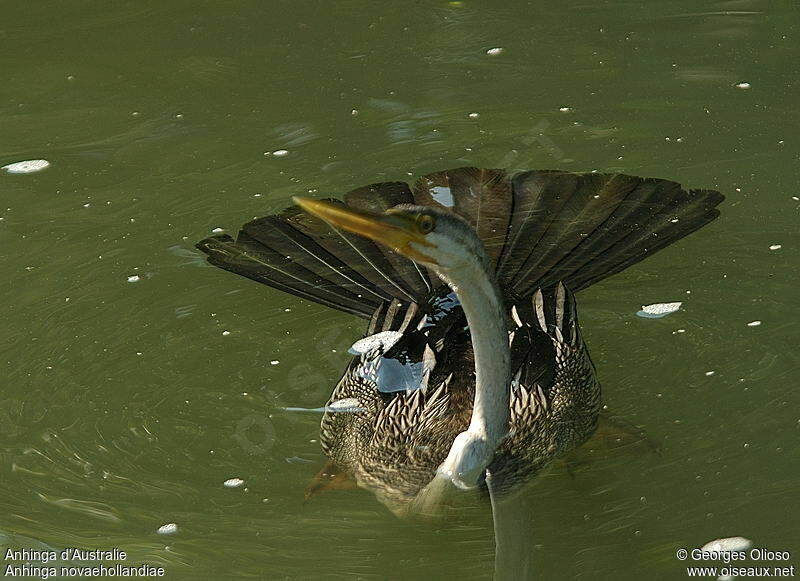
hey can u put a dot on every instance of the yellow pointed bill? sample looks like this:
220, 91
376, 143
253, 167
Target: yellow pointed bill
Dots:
396, 230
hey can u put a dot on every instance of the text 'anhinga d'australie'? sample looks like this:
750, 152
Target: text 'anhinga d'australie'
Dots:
472, 372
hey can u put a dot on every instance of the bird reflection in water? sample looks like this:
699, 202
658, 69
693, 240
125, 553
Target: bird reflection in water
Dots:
472, 374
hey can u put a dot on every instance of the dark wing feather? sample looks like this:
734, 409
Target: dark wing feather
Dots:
654, 226
300, 254
570, 221
538, 198
385, 272
250, 258
379, 197
330, 262
539, 228
415, 280
582, 228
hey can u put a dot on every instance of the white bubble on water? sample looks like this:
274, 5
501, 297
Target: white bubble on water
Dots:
168, 529
28, 166
658, 310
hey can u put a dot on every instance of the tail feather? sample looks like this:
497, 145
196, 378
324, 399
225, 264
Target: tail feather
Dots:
539, 228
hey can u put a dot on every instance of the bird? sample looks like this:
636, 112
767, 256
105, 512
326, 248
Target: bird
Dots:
472, 372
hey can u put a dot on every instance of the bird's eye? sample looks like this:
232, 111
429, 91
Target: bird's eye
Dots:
426, 223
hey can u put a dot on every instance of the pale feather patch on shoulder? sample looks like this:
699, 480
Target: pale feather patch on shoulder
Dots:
411, 313
538, 309
559, 306
554, 311
515, 316
527, 403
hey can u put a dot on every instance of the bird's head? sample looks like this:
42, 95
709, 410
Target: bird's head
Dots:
425, 235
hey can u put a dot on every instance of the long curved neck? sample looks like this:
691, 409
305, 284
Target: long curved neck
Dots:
482, 302
480, 297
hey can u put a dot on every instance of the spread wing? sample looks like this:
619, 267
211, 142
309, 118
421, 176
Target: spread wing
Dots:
539, 228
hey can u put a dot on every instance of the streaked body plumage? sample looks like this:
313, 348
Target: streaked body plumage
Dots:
392, 440
394, 413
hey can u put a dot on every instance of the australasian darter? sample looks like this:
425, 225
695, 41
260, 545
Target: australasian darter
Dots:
472, 370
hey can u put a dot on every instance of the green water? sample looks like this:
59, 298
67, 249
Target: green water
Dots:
128, 402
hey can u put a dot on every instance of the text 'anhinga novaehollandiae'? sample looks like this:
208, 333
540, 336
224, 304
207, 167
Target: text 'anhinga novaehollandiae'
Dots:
472, 369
